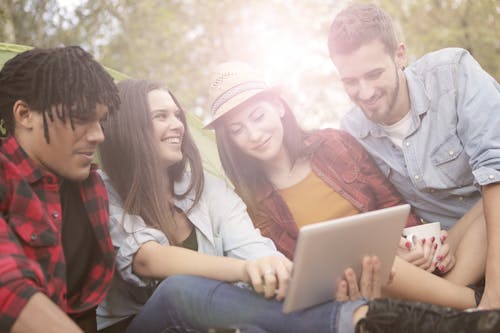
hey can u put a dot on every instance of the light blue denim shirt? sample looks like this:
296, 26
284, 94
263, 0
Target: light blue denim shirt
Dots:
453, 147
223, 228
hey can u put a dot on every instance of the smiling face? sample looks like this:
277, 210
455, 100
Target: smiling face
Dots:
373, 81
167, 125
256, 129
69, 152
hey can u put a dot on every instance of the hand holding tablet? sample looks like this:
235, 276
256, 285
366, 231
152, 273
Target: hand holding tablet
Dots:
324, 250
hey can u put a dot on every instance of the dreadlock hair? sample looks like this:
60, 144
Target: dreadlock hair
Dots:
244, 171
359, 24
66, 78
130, 157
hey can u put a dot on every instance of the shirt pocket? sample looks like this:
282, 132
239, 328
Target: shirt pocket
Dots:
451, 162
33, 233
349, 172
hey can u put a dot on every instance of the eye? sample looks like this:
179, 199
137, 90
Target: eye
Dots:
104, 118
82, 119
258, 115
373, 75
159, 116
235, 130
349, 82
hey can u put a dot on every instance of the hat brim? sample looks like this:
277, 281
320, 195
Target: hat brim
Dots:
240, 99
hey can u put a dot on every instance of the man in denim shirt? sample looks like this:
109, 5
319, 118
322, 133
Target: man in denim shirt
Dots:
432, 130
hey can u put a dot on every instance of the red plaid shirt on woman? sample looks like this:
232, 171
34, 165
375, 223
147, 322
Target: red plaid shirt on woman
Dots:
31, 251
345, 166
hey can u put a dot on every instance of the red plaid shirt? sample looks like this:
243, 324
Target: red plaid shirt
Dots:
341, 162
31, 251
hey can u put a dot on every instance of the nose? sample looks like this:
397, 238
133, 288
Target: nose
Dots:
95, 133
253, 131
365, 90
175, 123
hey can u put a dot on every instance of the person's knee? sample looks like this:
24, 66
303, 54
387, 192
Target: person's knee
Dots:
174, 285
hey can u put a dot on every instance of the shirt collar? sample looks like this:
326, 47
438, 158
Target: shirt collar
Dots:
419, 99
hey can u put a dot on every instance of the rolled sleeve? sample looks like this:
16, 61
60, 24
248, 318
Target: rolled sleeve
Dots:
127, 239
20, 278
478, 107
485, 176
14, 297
128, 233
234, 226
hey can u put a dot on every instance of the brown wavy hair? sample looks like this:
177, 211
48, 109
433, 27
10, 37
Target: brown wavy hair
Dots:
360, 24
129, 156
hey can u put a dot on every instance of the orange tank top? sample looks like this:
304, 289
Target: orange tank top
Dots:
311, 200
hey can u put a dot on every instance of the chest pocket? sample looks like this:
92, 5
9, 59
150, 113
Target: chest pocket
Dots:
33, 233
452, 162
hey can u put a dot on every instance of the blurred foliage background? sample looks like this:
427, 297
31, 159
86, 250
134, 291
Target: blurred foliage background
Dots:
177, 42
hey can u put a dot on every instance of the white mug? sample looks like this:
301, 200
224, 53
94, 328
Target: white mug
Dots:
426, 230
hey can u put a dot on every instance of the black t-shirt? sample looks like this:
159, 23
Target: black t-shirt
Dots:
78, 239
191, 242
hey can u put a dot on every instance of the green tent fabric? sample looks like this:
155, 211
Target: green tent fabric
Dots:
205, 139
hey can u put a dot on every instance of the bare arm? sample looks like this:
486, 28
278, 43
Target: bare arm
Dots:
40, 314
159, 261
491, 200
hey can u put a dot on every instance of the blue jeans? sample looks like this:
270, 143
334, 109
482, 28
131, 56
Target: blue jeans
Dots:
194, 304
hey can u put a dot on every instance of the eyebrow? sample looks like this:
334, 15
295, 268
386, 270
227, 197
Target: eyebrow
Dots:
164, 110
364, 74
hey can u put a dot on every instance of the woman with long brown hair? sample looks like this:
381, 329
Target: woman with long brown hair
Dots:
167, 216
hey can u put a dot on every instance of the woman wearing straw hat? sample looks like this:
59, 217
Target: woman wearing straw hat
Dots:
289, 177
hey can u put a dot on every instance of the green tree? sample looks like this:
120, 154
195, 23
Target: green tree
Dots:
433, 24
177, 42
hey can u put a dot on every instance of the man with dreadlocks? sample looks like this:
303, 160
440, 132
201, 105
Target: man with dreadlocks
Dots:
56, 257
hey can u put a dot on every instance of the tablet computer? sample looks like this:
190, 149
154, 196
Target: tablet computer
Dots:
324, 250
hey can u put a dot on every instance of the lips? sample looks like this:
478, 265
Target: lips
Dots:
372, 101
88, 155
172, 140
262, 144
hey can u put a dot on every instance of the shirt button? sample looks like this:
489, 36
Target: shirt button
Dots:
407, 143
451, 152
460, 198
491, 177
34, 237
55, 214
417, 177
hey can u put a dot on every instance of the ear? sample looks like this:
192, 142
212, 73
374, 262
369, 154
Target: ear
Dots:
278, 103
400, 56
23, 115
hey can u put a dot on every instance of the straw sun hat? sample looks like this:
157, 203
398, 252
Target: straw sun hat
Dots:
233, 83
